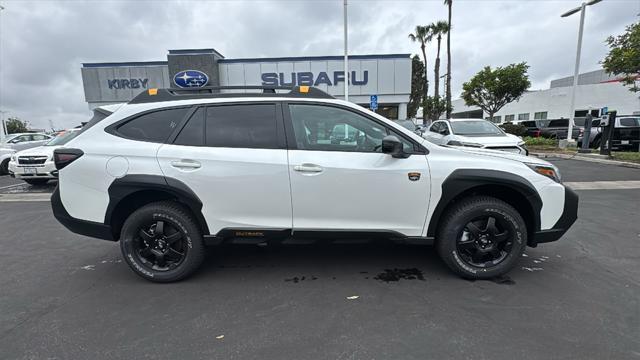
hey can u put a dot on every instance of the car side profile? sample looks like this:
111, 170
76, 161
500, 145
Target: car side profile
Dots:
175, 170
475, 133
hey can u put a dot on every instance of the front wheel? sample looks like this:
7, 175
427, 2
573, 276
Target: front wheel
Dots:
4, 167
161, 242
481, 237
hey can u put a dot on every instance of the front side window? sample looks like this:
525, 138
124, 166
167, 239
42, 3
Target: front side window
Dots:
326, 128
242, 126
154, 126
193, 132
63, 138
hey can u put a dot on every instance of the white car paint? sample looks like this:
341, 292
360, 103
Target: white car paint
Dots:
262, 188
503, 141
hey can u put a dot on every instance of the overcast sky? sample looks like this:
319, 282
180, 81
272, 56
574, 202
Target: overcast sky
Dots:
43, 43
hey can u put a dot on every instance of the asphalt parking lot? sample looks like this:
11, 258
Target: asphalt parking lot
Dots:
64, 296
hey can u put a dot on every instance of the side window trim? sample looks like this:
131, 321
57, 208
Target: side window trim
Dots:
290, 134
113, 128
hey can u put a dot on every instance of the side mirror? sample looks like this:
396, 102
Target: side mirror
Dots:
392, 146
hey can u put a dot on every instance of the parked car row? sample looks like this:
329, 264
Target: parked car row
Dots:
625, 137
17, 142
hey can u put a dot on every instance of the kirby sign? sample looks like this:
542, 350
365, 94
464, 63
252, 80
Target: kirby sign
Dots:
308, 78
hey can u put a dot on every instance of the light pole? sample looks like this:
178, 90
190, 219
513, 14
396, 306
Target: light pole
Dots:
3, 127
572, 109
346, 57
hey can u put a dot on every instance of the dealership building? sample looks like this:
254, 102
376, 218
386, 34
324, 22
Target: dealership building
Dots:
388, 76
595, 90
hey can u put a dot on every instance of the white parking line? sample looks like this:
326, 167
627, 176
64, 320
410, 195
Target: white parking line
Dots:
10, 186
604, 185
25, 197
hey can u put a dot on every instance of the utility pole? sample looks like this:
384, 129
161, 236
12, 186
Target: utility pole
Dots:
3, 127
346, 56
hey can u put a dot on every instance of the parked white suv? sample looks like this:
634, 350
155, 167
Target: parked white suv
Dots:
17, 142
475, 133
174, 170
35, 166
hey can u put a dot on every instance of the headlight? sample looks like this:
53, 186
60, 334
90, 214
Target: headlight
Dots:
551, 172
462, 143
521, 143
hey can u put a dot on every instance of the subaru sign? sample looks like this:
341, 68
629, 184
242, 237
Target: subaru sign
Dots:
190, 78
310, 79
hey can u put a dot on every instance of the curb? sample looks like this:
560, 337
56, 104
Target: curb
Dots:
577, 156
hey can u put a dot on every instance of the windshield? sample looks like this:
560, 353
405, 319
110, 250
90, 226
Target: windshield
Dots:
474, 128
63, 138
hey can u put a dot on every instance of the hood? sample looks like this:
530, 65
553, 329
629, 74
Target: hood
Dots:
6, 150
497, 140
38, 151
504, 155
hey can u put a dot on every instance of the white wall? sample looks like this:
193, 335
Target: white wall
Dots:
556, 101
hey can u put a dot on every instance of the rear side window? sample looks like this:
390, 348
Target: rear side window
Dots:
242, 126
153, 127
193, 133
558, 123
629, 122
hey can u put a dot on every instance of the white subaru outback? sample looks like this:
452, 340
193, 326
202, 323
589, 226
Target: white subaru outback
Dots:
175, 170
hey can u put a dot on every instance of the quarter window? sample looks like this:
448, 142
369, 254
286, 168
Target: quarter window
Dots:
193, 132
326, 128
154, 127
242, 126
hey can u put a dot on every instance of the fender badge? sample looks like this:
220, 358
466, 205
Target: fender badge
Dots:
414, 176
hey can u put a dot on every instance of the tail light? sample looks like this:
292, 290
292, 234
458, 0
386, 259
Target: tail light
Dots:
64, 157
536, 133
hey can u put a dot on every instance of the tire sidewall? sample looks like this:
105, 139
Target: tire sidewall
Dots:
451, 232
146, 216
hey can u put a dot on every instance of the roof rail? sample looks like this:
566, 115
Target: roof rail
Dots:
209, 92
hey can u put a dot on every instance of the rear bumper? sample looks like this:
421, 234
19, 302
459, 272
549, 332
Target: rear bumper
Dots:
78, 226
568, 217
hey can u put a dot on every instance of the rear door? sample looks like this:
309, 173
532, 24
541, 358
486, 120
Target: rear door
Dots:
341, 180
233, 157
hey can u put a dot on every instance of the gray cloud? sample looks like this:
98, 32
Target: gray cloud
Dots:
44, 43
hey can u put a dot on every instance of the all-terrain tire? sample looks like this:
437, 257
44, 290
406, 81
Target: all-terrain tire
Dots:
178, 218
454, 225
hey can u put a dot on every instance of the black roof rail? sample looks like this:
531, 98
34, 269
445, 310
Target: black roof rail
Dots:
210, 92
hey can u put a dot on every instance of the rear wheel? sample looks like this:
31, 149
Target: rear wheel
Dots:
161, 242
36, 181
481, 237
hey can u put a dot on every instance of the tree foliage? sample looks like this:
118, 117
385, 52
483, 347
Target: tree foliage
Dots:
491, 89
417, 86
624, 56
15, 125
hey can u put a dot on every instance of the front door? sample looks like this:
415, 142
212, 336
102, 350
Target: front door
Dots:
234, 158
341, 180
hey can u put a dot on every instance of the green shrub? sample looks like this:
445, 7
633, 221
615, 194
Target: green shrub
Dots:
515, 129
539, 141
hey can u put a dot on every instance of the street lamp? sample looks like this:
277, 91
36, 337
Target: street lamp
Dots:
572, 110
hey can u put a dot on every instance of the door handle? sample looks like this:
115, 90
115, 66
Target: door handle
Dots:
186, 164
309, 168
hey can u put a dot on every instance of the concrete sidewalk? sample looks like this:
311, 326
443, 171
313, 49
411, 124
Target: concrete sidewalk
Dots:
586, 157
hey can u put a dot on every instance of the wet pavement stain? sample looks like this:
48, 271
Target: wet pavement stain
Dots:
299, 279
400, 274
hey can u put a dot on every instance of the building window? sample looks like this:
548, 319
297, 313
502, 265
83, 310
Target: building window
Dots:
523, 116
496, 119
508, 118
540, 115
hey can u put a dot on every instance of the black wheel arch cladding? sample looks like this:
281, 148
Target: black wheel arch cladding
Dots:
130, 185
464, 180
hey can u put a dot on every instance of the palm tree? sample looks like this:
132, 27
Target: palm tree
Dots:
448, 84
423, 34
437, 29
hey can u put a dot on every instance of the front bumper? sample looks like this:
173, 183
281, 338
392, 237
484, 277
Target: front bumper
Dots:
568, 217
78, 226
41, 171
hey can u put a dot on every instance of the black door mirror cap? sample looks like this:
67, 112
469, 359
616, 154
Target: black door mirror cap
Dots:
393, 146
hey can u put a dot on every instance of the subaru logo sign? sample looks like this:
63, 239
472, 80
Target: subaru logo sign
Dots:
190, 78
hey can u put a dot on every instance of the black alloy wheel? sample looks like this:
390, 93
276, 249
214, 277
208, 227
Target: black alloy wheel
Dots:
160, 246
485, 242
